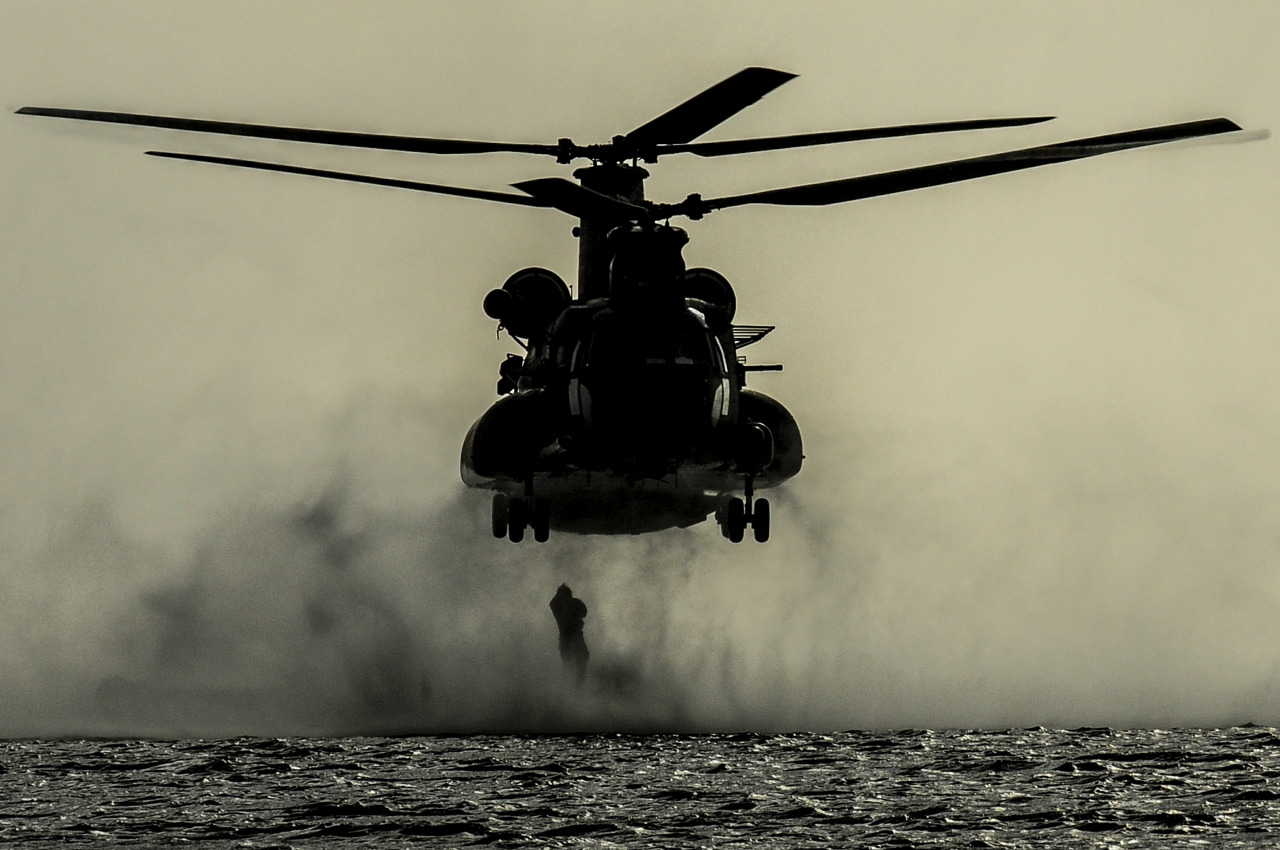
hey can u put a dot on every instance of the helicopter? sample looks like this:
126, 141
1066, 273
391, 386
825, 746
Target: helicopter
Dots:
627, 411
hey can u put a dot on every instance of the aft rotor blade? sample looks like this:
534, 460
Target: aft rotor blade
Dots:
580, 201
412, 144
804, 140
892, 182
703, 111
435, 188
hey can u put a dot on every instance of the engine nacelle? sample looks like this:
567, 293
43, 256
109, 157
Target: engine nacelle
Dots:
713, 288
755, 447
528, 302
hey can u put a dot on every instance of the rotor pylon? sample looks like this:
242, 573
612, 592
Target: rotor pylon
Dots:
620, 181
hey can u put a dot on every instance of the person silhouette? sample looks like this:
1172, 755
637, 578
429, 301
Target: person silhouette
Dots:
569, 612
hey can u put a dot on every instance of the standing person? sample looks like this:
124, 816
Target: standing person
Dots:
569, 612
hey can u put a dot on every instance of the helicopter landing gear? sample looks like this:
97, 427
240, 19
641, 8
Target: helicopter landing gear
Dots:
760, 520
511, 516
501, 514
517, 520
541, 520
735, 520
739, 513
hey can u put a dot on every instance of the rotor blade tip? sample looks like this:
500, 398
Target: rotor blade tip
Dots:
774, 77
1242, 135
529, 187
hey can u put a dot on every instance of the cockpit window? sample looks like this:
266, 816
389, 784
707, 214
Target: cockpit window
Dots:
622, 346
721, 361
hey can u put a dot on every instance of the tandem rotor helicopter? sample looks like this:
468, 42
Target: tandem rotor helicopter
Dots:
628, 411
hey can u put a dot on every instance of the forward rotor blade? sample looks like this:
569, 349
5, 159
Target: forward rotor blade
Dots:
803, 140
703, 111
413, 144
580, 201
435, 188
892, 182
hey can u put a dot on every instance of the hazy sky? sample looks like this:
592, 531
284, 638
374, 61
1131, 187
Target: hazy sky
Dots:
1041, 411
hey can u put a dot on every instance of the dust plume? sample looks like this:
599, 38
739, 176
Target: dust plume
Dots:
336, 614
1085, 539
308, 620
921, 599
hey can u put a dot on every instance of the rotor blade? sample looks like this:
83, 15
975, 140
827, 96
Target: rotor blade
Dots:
580, 201
378, 141
892, 182
803, 140
481, 194
703, 111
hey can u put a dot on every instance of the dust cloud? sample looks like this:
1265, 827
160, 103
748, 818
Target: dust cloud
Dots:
315, 619
331, 616
256, 559
332, 613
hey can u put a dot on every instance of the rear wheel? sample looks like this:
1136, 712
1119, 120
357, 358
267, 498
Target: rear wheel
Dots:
501, 506
735, 521
517, 519
760, 520
541, 520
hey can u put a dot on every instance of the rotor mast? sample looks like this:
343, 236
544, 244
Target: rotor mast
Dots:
618, 180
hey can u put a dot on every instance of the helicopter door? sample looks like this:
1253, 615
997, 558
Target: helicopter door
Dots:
579, 395
720, 400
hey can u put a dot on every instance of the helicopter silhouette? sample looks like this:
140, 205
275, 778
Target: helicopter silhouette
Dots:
628, 410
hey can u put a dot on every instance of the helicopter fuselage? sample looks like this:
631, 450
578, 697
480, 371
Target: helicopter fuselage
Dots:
628, 413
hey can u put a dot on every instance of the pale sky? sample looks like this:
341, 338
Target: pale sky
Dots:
1041, 410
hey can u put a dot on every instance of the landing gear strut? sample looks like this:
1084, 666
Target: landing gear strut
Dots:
739, 513
512, 515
